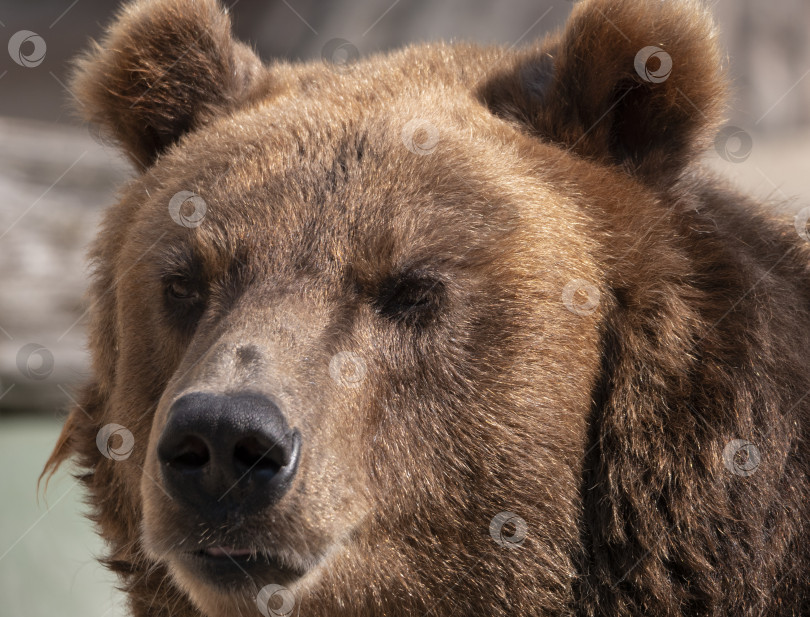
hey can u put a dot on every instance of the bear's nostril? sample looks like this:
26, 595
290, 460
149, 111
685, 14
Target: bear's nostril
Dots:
191, 453
252, 454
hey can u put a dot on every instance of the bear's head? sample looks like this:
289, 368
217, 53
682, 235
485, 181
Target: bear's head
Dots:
348, 321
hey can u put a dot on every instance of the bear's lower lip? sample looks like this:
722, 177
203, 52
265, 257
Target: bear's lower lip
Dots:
228, 566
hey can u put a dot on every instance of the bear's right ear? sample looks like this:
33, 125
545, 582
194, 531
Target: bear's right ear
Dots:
162, 69
633, 83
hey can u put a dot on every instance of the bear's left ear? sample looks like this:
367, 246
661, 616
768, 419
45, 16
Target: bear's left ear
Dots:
163, 68
637, 83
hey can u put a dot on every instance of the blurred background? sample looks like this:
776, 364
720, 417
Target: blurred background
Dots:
56, 176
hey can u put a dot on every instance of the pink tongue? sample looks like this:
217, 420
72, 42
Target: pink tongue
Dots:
227, 551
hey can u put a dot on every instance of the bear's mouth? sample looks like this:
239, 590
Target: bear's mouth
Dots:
226, 551
228, 566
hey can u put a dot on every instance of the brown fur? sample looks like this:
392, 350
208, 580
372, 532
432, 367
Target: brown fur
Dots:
603, 431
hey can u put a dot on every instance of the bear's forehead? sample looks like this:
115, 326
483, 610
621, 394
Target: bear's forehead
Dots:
308, 191
285, 163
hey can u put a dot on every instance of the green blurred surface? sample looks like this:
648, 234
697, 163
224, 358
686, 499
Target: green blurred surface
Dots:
47, 549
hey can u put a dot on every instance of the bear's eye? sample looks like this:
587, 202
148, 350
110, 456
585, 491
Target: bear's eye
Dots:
184, 301
414, 298
181, 290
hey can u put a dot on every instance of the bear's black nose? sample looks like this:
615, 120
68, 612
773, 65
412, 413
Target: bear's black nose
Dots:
224, 452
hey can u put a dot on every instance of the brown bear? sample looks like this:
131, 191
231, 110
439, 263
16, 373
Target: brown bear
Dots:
454, 330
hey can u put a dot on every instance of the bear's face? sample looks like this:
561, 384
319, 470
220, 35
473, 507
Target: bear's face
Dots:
351, 317
328, 268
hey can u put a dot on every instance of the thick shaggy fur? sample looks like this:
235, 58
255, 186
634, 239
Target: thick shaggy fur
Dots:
603, 429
